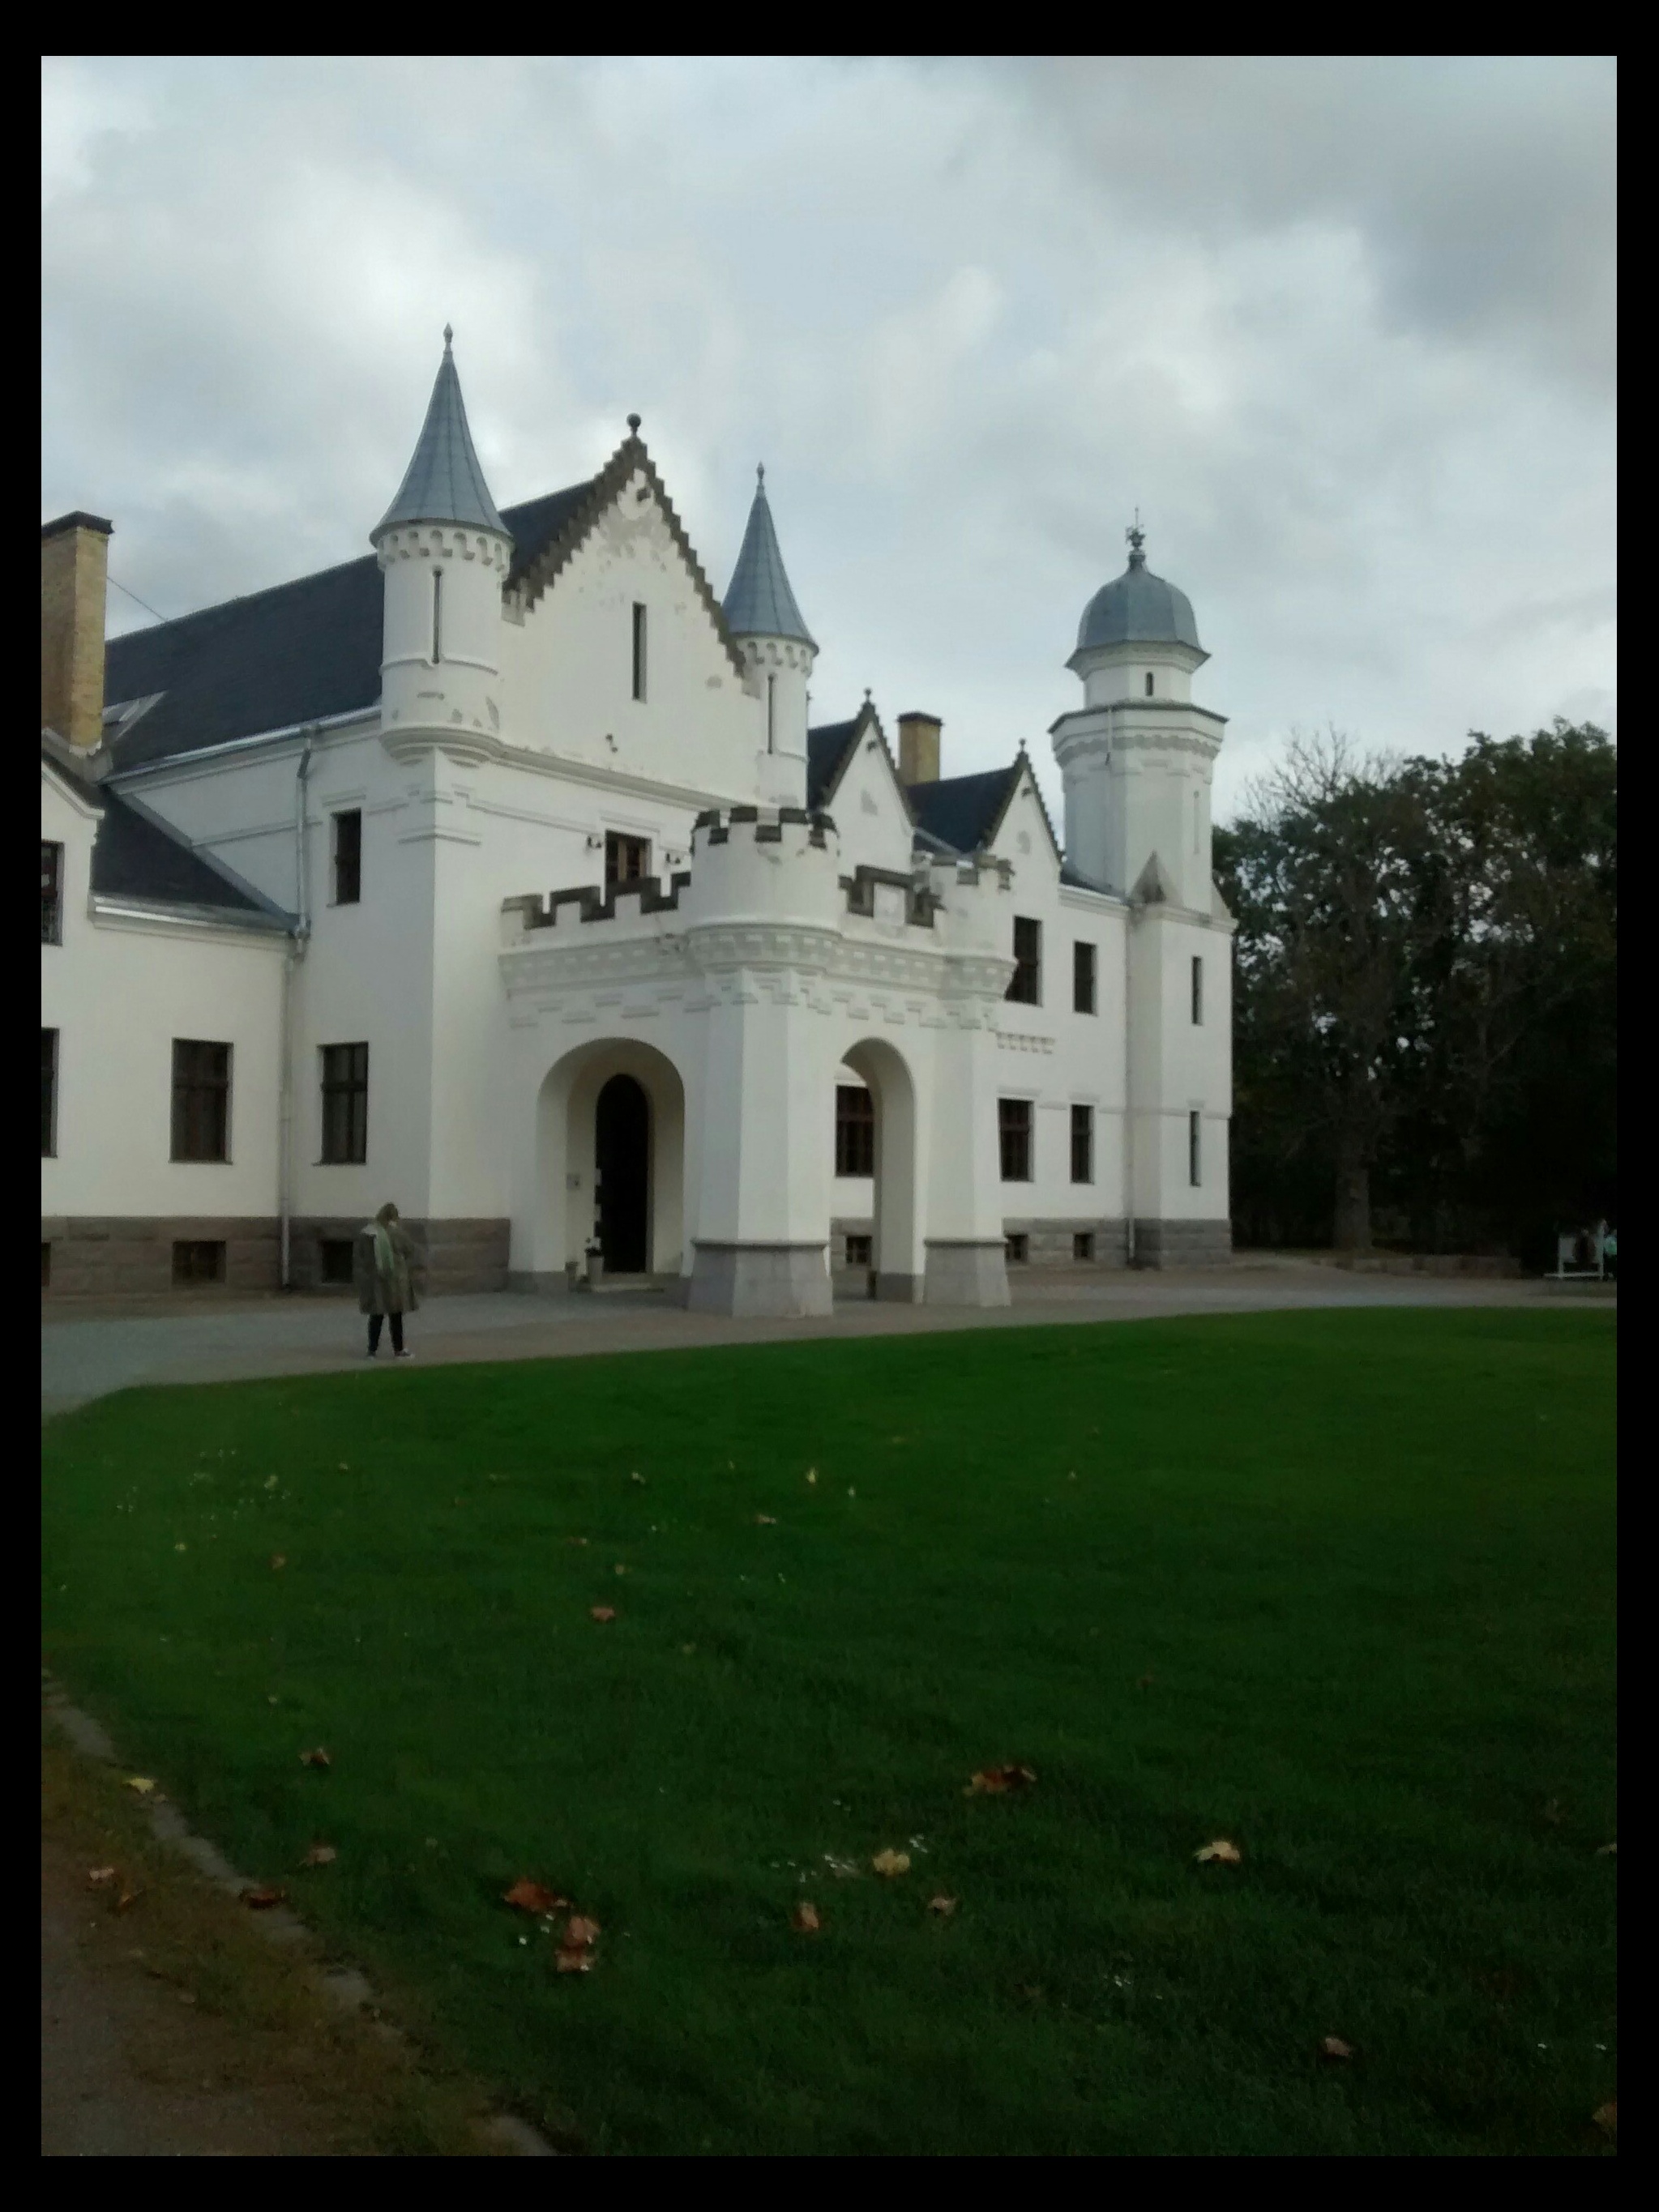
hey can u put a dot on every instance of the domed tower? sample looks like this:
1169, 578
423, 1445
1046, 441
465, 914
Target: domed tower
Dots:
444, 551
778, 650
1136, 759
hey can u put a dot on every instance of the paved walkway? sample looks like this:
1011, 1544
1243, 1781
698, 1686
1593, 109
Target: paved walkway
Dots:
86, 1352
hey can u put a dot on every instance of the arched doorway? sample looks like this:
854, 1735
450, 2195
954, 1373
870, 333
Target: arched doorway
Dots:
622, 1163
896, 1263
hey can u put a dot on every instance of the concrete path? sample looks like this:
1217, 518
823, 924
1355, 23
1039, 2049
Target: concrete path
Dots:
87, 1353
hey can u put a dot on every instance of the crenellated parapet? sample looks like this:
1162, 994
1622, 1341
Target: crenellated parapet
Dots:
444, 541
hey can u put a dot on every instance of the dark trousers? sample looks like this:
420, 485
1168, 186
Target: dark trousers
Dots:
374, 1320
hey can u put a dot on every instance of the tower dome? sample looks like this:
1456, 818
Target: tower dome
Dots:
1138, 608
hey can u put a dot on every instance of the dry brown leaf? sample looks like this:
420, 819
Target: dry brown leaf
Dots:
602, 1612
636, 1477
580, 1933
532, 1897
321, 1855
141, 1782
128, 1895
1606, 2118
100, 1877
278, 1559
1606, 1851
766, 1520
573, 1962
997, 1781
261, 1895
805, 1919
318, 1758
1221, 1851
1333, 2046
891, 1863
812, 1474
944, 1906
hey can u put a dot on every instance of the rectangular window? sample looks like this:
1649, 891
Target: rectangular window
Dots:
860, 1251
627, 860
437, 615
1195, 1156
48, 1093
1017, 1248
1083, 979
1197, 988
334, 1257
1083, 1246
198, 1261
348, 835
638, 651
201, 1100
855, 1130
771, 713
1026, 984
52, 893
1014, 1134
345, 1105
1083, 1144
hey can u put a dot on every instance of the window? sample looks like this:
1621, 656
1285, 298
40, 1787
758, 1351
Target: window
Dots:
1083, 1246
334, 1259
860, 1251
1194, 1157
1014, 1134
1198, 987
1083, 979
347, 834
1149, 682
1017, 1248
345, 1104
855, 1130
201, 1100
198, 1261
437, 615
48, 1093
1083, 1144
52, 893
1026, 983
627, 860
638, 651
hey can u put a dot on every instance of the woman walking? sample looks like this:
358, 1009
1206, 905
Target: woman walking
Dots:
382, 1257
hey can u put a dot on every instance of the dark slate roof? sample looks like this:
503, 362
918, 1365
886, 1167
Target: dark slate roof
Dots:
963, 811
758, 601
298, 653
1138, 608
444, 482
1078, 882
136, 856
826, 748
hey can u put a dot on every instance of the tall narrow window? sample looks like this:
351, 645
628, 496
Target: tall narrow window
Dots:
1083, 1144
1194, 1158
201, 1100
347, 834
1026, 983
52, 893
1149, 682
1014, 1135
771, 713
1198, 989
1083, 979
855, 1130
627, 860
48, 1093
345, 1104
437, 615
638, 651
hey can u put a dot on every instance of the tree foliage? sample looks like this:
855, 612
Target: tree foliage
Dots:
1425, 1035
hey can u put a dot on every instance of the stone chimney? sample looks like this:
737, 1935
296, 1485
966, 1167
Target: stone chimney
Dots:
919, 736
74, 564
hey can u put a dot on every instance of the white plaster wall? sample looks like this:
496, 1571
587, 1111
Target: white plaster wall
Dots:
870, 813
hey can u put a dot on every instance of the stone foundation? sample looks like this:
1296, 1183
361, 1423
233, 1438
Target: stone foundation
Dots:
782, 1281
1183, 1243
456, 1254
965, 1273
1051, 1243
131, 1255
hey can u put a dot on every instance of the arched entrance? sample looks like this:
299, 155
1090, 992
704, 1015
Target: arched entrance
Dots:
622, 1175
895, 1257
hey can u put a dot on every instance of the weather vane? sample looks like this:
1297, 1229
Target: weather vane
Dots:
1137, 537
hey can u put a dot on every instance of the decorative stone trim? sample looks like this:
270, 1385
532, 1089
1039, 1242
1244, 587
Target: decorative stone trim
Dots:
1183, 1243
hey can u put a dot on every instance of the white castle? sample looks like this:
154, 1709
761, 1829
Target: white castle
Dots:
501, 874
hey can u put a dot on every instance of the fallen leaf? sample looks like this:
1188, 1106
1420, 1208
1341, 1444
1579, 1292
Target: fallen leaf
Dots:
573, 1962
321, 1855
128, 1895
261, 1896
1606, 2116
345, 1469
812, 1474
943, 1906
602, 1612
575, 1540
687, 1649
1333, 2046
100, 1877
636, 1477
1606, 1851
141, 1782
181, 1548
997, 1781
532, 1897
270, 1482
891, 1863
621, 1570
580, 1933
766, 1520
278, 1560
1225, 1853
805, 1919
318, 1758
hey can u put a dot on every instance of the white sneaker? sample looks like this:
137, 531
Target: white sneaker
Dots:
402, 1355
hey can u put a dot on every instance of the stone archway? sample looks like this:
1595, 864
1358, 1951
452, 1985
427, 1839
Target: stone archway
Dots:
622, 1175
586, 1130
896, 1261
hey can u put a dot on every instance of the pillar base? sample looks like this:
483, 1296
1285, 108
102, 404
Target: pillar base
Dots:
772, 1281
966, 1272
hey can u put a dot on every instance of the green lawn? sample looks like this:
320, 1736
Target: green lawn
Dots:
1365, 1559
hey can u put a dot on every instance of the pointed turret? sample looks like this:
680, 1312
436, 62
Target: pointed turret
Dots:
778, 651
758, 601
444, 482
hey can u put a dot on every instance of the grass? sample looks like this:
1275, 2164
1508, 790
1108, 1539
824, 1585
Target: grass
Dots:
1335, 1586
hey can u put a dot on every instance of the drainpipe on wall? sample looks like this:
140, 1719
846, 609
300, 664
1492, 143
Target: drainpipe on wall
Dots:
298, 936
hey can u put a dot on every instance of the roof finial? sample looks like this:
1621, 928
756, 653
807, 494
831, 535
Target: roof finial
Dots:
634, 425
866, 694
1137, 537
760, 474
449, 336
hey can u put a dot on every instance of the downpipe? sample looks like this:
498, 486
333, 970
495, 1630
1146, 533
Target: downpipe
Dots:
299, 936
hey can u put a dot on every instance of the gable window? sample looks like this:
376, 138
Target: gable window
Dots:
1083, 979
345, 1105
1149, 682
48, 1093
201, 1100
1083, 1144
855, 1130
52, 893
627, 860
1026, 982
1197, 988
347, 857
1195, 1155
638, 651
1014, 1138
437, 615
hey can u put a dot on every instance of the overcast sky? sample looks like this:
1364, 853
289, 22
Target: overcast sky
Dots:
1342, 330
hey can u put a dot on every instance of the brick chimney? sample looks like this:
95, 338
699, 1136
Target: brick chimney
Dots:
919, 736
74, 564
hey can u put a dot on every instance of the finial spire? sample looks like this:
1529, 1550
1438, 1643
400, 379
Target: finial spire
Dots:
634, 426
444, 482
758, 601
760, 472
1137, 537
449, 336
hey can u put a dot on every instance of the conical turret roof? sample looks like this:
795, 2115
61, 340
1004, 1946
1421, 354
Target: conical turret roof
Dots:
758, 601
444, 482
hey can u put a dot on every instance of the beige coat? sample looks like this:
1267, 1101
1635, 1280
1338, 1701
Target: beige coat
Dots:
384, 1291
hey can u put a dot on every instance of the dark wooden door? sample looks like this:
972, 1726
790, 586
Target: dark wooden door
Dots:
623, 1155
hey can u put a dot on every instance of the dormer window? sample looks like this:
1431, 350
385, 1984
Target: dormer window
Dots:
1149, 682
